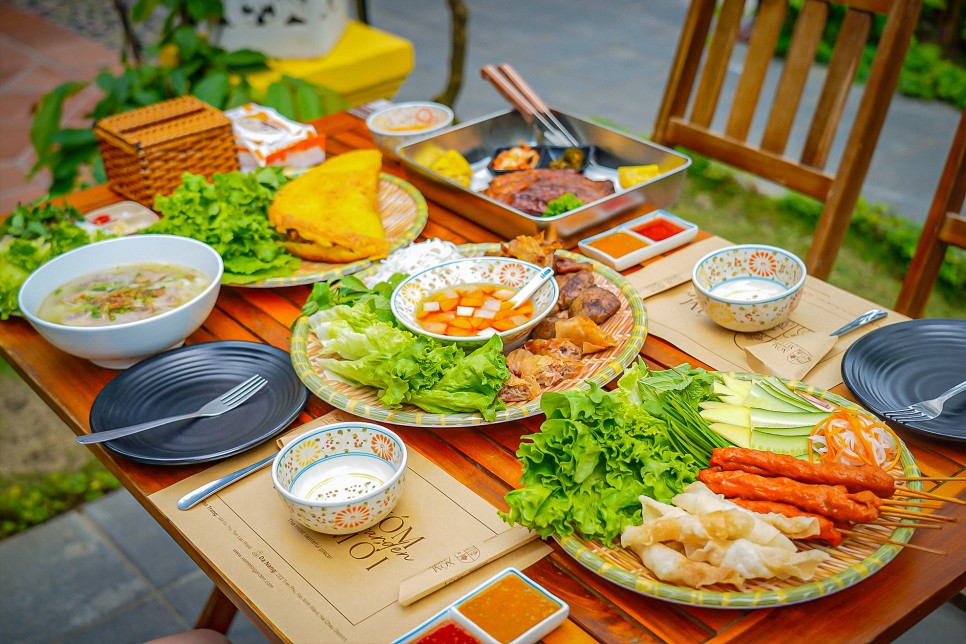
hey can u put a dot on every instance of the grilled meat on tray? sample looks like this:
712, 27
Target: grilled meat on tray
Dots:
531, 190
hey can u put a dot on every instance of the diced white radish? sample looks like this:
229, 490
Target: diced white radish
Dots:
517, 320
435, 327
492, 304
485, 333
504, 294
464, 311
450, 294
430, 306
485, 314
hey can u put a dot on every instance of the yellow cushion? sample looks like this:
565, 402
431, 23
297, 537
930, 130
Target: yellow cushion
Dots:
366, 64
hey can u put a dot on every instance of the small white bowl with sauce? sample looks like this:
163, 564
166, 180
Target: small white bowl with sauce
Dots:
749, 287
127, 341
405, 123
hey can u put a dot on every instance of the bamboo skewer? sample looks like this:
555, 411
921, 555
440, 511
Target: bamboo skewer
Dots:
878, 539
913, 504
931, 478
900, 524
921, 516
928, 495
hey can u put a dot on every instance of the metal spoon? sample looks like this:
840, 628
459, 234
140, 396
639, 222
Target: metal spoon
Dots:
195, 497
862, 320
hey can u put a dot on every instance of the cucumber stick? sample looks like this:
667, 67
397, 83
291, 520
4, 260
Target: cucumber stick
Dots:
791, 445
755, 418
740, 436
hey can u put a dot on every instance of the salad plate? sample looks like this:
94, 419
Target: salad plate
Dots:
848, 564
902, 363
181, 380
628, 326
404, 214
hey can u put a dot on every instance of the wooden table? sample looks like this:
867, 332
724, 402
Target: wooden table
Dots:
879, 608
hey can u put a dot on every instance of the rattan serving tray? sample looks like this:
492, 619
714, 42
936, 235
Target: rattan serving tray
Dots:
848, 564
628, 326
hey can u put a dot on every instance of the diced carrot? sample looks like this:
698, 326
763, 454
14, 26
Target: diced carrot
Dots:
488, 288
435, 327
461, 323
503, 325
470, 300
449, 303
459, 333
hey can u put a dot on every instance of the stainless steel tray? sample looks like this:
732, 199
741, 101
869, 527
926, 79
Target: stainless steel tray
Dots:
476, 140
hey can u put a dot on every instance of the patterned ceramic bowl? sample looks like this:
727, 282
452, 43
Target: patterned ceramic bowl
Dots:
405, 123
501, 271
341, 478
750, 287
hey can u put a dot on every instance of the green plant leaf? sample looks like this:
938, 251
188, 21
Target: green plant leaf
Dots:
278, 96
143, 9
47, 120
73, 137
309, 102
213, 88
186, 38
242, 58
178, 81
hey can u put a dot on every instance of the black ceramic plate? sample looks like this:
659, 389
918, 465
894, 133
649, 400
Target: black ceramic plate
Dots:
903, 363
181, 381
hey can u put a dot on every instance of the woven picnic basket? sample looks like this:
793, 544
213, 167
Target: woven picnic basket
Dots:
147, 150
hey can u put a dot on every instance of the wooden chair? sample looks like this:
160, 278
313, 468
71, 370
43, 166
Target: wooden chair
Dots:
839, 190
945, 225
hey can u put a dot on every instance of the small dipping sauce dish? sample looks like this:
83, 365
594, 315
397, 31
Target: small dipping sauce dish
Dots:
639, 239
507, 608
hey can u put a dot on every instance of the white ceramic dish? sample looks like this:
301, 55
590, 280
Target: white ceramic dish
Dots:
121, 218
459, 616
341, 478
504, 271
749, 287
122, 345
649, 247
406, 123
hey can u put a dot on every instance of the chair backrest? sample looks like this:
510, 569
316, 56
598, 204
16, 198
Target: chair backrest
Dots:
692, 128
945, 225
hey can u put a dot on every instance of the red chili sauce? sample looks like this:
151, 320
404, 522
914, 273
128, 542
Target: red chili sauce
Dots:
448, 632
658, 229
618, 244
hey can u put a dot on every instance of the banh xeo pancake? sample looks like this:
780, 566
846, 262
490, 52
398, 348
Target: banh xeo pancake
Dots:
330, 213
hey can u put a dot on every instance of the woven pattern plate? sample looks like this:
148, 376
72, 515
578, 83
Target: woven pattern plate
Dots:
848, 564
628, 326
404, 214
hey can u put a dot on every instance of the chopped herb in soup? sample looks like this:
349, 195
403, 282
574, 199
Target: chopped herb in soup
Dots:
470, 309
122, 294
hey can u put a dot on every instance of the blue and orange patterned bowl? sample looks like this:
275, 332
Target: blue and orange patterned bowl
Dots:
502, 271
749, 287
341, 478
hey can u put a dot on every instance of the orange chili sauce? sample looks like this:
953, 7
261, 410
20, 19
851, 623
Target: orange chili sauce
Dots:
658, 229
508, 608
466, 310
618, 244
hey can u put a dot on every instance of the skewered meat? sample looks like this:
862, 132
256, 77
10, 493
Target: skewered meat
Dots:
832, 501
531, 190
571, 286
554, 347
547, 328
596, 303
854, 478
827, 531
563, 265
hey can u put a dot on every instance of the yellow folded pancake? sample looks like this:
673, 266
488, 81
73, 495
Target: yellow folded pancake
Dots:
331, 212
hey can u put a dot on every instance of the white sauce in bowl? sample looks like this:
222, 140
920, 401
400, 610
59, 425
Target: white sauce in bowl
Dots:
749, 289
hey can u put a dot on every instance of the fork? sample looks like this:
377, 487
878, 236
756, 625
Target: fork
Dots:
925, 410
225, 402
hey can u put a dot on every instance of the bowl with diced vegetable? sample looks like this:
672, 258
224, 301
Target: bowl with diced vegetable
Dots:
405, 123
466, 301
